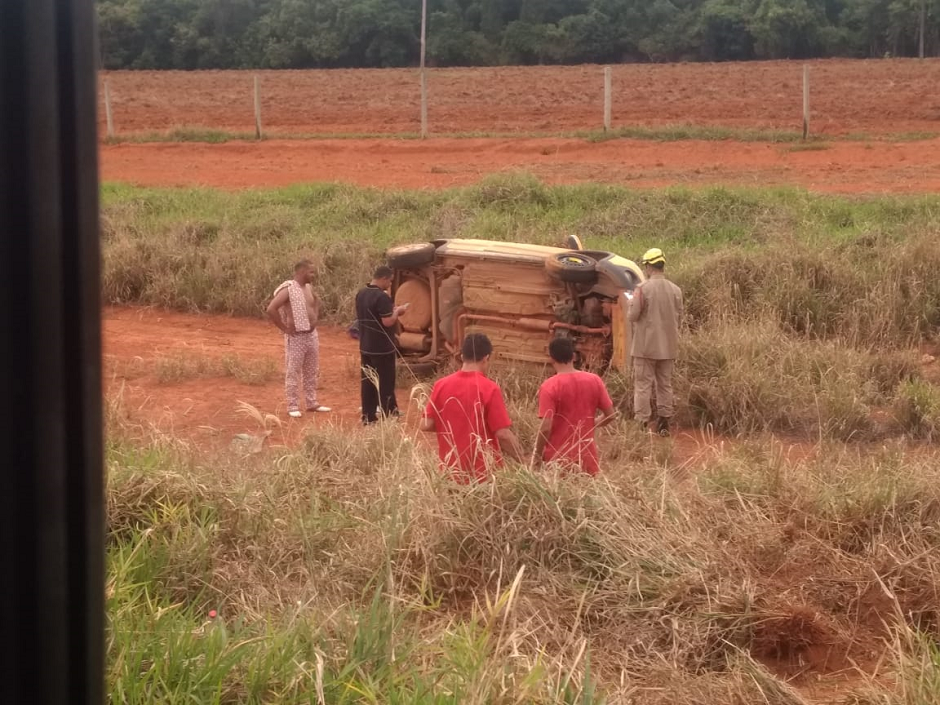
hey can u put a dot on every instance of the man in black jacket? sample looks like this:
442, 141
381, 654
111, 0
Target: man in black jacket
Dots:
377, 316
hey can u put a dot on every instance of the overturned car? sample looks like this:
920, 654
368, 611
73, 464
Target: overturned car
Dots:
519, 295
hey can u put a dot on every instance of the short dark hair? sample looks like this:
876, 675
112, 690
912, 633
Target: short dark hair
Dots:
658, 265
476, 346
302, 264
383, 272
561, 350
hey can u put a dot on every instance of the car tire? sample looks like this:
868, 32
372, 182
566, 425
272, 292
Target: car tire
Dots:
417, 294
411, 256
572, 268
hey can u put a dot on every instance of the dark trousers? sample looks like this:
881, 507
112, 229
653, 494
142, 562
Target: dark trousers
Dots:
378, 394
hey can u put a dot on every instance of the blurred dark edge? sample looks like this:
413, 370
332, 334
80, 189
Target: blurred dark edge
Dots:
51, 494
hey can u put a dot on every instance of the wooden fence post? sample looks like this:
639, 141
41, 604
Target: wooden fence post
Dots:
109, 116
805, 102
607, 98
257, 108
424, 75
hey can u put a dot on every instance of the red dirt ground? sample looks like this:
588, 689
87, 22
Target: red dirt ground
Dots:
842, 167
874, 96
204, 411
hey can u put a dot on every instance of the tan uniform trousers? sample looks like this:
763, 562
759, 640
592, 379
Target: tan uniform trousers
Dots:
651, 376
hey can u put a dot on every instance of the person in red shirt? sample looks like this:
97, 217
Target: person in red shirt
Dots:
467, 412
568, 406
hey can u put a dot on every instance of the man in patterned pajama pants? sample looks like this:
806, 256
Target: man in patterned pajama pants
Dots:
295, 311
302, 361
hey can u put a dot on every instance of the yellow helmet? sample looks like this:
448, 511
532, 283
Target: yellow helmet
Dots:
653, 256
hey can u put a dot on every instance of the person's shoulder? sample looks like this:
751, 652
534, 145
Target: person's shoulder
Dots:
549, 383
489, 385
447, 380
440, 381
590, 379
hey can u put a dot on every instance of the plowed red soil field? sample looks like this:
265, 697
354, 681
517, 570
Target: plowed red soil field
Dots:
874, 96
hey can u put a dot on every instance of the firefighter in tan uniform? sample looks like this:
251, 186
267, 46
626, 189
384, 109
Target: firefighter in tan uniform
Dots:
655, 312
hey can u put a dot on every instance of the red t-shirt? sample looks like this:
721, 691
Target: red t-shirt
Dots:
572, 400
468, 409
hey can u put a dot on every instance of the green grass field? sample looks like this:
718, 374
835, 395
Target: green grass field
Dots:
348, 571
807, 313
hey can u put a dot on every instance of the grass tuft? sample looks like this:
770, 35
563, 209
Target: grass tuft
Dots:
675, 133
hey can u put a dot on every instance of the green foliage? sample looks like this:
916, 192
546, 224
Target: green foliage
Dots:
723, 31
919, 409
786, 29
293, 34
820, 267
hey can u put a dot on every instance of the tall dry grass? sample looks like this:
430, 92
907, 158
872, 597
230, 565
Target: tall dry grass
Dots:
351, 571
857, 270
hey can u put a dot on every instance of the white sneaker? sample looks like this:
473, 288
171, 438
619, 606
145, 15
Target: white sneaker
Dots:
320, 408
294, 414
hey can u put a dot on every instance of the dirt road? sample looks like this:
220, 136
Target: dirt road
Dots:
841, 167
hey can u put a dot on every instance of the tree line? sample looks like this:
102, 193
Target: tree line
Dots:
296, 34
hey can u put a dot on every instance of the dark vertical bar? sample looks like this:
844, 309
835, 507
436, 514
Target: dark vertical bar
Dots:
51, 480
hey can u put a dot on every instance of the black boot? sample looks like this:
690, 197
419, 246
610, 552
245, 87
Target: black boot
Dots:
662, 426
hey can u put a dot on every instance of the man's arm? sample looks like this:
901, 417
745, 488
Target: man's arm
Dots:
547, 415
429, 413
605, 405
541, 440
273, 311
636, 305
384, 305
607, 416
509, 444
390, 320
497, 417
